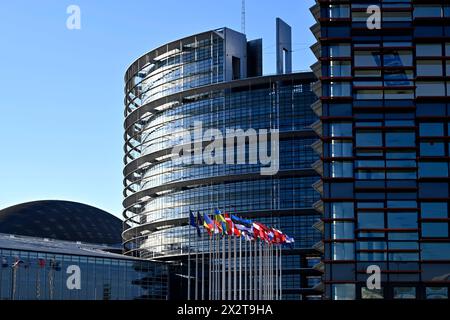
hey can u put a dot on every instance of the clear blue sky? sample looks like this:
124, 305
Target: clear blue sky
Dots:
61, 91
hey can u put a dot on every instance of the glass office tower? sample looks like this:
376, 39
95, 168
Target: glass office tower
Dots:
384, 108
216, 78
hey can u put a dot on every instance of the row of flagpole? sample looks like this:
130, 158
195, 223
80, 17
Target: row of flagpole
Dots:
237, 269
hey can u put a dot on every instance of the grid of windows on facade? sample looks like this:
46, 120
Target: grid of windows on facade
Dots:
26, 275
386, 148
243, 108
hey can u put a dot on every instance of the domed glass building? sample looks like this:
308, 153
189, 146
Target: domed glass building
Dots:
61, 220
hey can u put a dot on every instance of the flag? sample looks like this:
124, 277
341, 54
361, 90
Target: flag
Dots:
4, 262
248, 236
231, 227
279, 237
241, 222
222, 223
17, 263
260, 231
290, 241
193, 223
192, 219
199, 223
209, 224
270, 236
242, 225
41, 263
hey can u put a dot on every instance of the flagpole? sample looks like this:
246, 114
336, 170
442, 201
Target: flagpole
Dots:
196, 271
189, 264
235, 271
281, 273
203, 270
229, 291
276, 272
209, 269
273, 278
265, 264
271, 273
240, 268
255, 271
264, 287
217, 266
245, 270
260, 271
250, 270
223, 269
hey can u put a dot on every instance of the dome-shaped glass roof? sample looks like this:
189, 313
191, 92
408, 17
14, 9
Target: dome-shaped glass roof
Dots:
61, 220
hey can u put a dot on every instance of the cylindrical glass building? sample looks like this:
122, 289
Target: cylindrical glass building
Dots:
213, 79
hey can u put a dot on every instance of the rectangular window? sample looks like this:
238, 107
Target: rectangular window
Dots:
402, 220
339, 89
343, 251
398, 59
432, 149
404, 293
396, 16
344, 291
341, 129
427, 11
338, 11
436, 293
435, 230
341, 169
342, 210
369, 94
340, 69
432, 129
363, 174
400, 139
430, 89
435, 251
341, 149
434, 210
371, 220
429, 68
433, 169
342, 230
368, 73
429, 50
369, 139
367, 59
339, 50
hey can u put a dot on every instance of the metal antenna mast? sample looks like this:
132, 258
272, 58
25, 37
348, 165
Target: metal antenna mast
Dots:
243, 17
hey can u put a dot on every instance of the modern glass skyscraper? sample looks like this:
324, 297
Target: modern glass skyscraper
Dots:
384, 105
215, 78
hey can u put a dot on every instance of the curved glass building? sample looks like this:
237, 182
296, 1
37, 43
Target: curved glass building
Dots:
215, 78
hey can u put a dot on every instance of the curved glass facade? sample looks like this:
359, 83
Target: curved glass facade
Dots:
160, 191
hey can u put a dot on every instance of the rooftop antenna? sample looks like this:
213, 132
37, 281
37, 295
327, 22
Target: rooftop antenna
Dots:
243, 17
